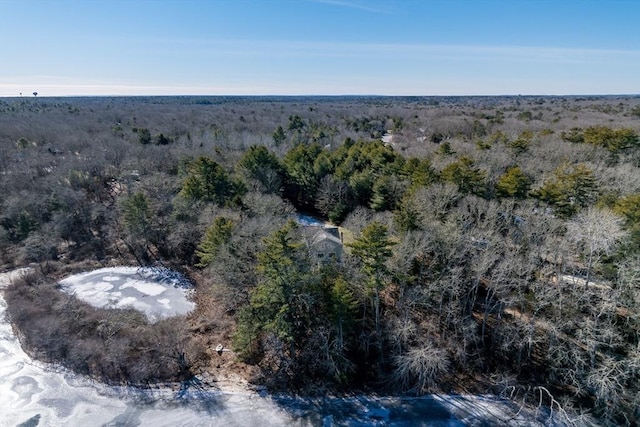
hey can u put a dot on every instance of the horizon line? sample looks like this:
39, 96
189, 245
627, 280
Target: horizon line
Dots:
312, 95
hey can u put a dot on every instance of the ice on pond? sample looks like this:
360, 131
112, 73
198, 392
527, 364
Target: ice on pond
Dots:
132, 287
147, 288
129, 302
103, 286
165, 302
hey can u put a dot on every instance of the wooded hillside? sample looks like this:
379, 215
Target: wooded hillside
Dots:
492, 244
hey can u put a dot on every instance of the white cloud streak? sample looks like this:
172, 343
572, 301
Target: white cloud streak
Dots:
284, 48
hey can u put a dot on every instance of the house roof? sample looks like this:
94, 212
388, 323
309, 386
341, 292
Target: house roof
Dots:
322, 235
317, 234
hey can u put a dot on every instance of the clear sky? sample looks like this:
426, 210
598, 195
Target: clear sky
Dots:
319, 47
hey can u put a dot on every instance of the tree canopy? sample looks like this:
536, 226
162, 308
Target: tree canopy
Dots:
209, 182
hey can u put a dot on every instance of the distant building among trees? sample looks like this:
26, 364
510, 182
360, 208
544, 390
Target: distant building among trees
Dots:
324, 243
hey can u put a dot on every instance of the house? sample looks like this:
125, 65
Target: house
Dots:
324, 243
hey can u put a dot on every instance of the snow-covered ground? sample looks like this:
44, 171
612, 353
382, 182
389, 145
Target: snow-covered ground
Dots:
387, 138
39, 394
157, 293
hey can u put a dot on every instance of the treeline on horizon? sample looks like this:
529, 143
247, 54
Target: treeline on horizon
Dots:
489, 241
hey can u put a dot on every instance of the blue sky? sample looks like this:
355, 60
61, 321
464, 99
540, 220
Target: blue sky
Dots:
319, 47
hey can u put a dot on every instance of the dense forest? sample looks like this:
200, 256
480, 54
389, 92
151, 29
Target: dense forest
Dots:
491, 244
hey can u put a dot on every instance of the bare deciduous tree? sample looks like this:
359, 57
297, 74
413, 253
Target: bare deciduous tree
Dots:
596, 232
419, 367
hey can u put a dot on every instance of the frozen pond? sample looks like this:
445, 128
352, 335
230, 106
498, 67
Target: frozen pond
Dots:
38, 394
159, 293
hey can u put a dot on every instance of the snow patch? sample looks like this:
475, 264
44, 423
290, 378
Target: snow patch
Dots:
165, 302
307, 220
103, 286
147, 288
